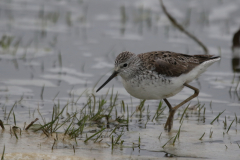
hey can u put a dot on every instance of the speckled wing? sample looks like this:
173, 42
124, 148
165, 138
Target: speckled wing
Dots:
170, 63
165, 68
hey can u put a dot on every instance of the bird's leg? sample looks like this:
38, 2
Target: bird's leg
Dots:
169, 123
172, 110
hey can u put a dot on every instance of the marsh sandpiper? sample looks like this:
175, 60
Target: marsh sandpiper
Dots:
159, 75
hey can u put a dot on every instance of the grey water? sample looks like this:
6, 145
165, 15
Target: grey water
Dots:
50, 49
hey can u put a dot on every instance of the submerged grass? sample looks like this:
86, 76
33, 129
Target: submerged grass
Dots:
49, 126
93, 112
110, 117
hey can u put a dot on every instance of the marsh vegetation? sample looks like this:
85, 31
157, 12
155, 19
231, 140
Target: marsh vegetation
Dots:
54, 53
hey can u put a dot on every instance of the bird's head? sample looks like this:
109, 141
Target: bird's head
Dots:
125, 65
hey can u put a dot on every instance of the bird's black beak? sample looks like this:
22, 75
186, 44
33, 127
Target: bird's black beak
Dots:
114, 74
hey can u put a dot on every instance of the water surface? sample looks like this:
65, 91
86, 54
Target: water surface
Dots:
56, 49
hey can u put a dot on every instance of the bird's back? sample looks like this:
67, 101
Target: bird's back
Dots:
171, 64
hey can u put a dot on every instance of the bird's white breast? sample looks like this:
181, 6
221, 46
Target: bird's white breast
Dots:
145, 87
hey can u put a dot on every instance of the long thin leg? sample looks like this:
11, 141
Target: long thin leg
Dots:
168, 104
169, 122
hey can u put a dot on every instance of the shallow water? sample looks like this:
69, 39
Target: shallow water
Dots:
54, 50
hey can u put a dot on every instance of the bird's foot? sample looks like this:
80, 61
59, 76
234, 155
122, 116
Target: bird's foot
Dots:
169, 123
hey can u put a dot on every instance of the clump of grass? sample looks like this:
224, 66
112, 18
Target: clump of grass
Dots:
74, 123
53, 125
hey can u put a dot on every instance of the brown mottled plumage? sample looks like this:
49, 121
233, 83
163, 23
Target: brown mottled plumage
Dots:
171, 63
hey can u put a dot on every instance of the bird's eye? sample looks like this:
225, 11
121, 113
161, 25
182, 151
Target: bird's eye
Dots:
125, 65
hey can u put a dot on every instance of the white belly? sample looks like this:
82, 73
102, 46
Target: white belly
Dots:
153, 89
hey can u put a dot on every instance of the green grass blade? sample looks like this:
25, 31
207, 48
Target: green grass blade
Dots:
94, 135
230, 125
11, 111
184, 113
217, 116
167, 142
